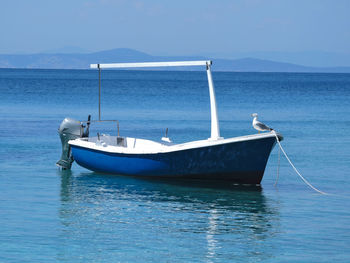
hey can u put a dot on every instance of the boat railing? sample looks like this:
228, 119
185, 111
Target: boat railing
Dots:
98, 121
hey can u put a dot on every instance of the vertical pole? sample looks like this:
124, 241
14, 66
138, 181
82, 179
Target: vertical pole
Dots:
215, 131
99, 92
118, 128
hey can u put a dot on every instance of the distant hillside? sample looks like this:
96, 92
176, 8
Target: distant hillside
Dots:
83, 60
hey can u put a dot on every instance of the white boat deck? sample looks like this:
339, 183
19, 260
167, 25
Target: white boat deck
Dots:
108, 143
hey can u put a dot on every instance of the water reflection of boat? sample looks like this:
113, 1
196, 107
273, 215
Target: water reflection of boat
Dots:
151, 206
222, 195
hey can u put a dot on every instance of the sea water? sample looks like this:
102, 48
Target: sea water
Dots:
48, 215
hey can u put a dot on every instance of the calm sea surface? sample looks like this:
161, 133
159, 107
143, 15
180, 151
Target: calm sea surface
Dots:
47, 215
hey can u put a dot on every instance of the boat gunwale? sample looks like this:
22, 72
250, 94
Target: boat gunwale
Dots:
171, 148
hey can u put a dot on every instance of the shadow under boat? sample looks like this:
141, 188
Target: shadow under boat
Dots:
204, 194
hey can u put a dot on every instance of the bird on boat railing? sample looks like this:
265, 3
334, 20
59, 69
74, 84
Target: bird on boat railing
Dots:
259, 126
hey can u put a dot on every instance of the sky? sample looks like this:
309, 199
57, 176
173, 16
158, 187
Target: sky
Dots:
164, 27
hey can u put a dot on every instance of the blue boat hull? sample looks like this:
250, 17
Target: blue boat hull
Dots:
240, 162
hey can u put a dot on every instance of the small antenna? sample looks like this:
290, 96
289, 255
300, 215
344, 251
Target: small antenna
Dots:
118, 128
166, 138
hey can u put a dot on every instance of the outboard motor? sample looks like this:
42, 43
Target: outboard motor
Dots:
69, 130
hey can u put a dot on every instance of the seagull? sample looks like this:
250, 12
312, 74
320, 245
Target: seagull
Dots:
257, 125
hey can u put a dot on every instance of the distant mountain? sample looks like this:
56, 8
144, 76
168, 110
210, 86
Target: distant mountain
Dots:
306, 58
66, 50
262, 65
83, 60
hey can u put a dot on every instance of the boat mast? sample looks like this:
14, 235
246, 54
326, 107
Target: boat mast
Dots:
99, 92
215, 130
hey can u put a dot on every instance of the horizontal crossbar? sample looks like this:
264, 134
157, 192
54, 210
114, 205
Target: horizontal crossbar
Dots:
152, 64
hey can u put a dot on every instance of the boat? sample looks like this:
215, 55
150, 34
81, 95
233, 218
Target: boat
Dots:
239, 160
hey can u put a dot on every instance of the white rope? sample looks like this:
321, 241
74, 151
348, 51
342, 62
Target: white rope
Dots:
295, 169
278, 166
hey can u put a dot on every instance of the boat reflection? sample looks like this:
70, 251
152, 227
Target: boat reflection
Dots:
224, 215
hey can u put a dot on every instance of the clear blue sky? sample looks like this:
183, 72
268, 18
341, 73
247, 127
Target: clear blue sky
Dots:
164, 27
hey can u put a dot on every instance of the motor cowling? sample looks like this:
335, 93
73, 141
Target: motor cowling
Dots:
69, 130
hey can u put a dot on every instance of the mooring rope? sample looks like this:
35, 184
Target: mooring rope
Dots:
278, 166
295, 169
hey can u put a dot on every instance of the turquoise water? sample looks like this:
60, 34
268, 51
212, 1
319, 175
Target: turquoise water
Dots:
79, 216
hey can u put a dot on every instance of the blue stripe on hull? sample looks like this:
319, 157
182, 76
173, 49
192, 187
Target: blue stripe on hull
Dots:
242, 162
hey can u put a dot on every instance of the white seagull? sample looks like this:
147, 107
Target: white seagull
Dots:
257, 125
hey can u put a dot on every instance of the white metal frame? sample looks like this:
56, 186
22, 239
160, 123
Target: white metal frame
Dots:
215, 130
152, 64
